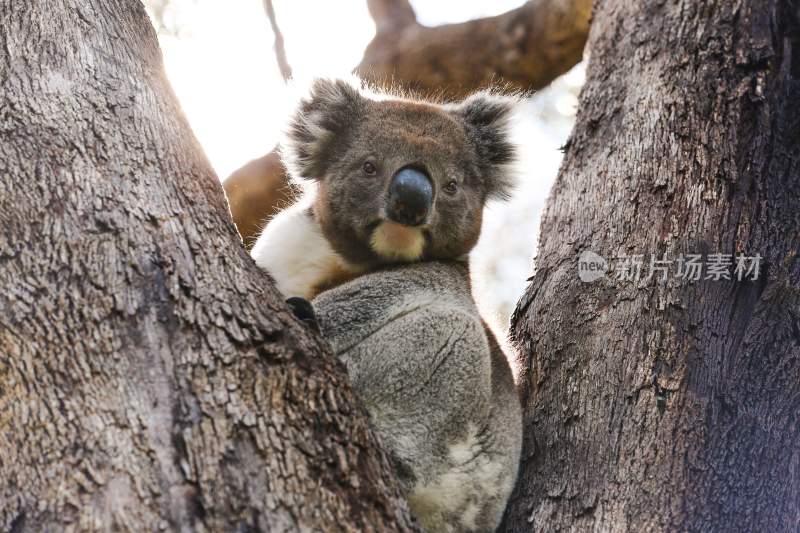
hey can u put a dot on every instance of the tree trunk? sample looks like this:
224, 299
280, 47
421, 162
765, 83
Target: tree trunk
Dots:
150, 375
662, 404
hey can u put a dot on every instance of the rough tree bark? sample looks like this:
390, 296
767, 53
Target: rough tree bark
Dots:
526, 48
670, 405
150, 376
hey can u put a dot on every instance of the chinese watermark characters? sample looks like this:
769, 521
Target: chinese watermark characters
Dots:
687, 267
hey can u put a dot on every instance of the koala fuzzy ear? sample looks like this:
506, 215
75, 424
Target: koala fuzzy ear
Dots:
488, 117
320, 119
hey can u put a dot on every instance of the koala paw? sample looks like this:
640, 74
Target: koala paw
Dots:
304, 311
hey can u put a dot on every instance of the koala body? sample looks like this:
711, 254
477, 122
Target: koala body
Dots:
437, 386
381, 240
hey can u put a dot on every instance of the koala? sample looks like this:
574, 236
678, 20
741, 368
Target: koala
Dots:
380, 243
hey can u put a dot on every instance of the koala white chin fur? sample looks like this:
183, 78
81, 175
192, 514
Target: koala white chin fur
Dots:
380, 243
396, 242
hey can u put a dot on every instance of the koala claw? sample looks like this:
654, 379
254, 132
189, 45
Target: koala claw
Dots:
304, 311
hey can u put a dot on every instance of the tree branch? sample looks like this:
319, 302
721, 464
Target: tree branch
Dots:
526, 47
255, 193
391, 15
280, 49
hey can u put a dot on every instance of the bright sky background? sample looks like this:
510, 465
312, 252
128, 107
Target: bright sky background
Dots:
222, 67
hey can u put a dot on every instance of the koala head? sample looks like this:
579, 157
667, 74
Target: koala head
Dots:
400, 179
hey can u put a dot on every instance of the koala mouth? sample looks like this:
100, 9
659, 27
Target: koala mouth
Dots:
397, 242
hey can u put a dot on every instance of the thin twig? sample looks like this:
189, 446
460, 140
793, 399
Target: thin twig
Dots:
280, 49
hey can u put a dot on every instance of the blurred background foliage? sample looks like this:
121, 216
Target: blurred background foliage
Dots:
219, 58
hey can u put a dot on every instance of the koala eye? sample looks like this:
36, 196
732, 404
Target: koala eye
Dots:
369, 168
451, 187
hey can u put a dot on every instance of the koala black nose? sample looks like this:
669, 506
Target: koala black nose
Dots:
410, 197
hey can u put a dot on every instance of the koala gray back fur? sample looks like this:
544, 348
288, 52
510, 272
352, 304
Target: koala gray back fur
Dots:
438, 388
